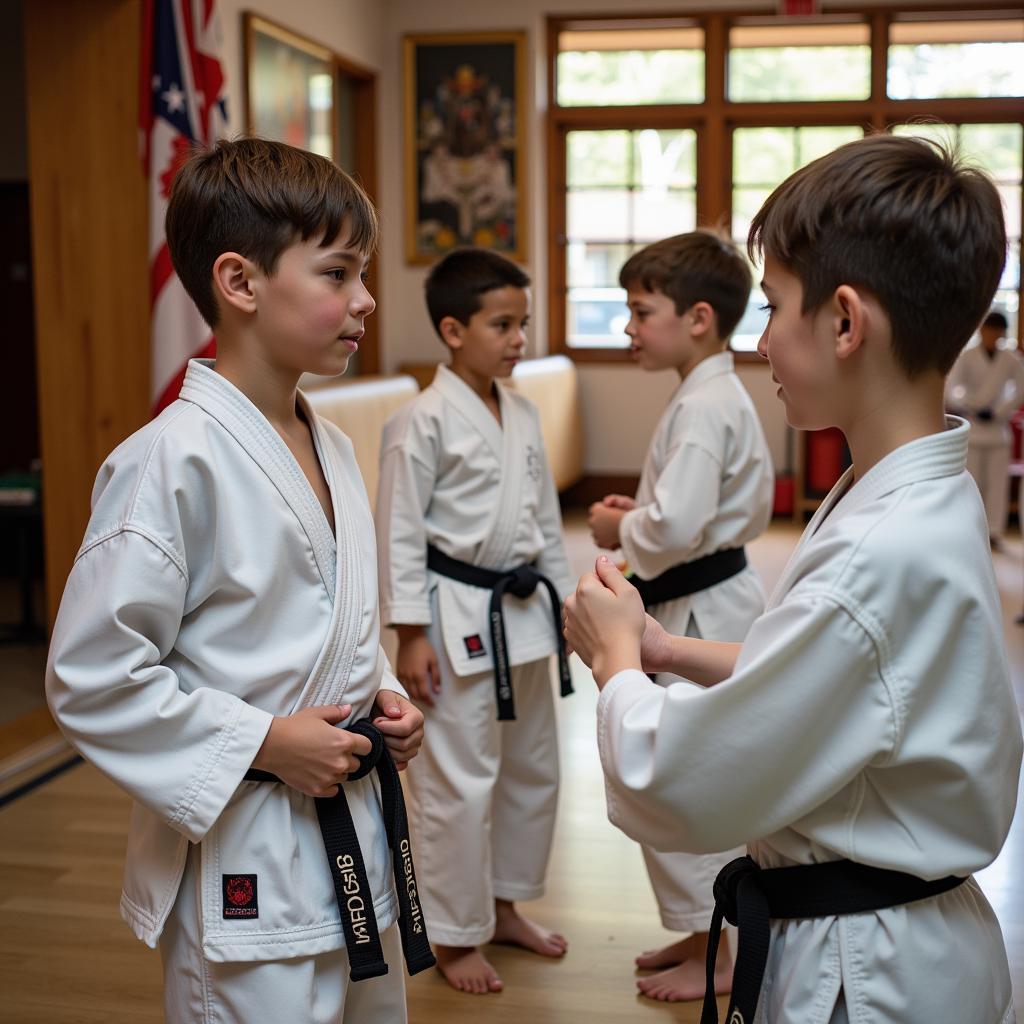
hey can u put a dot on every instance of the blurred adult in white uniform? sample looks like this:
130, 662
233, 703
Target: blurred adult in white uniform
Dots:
986, 385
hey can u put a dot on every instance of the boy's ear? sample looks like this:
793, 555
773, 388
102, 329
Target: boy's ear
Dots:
702, 319
451, 331
849, 316
232, 281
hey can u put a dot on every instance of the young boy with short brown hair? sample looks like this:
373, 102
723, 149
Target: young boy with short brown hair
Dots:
705, 492
863, 741
473, 572
220, 622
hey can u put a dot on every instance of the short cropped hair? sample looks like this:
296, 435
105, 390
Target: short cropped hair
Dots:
907, 220
256, 197
700, 266
455, 285
996, 319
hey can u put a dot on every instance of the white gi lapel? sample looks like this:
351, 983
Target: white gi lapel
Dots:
500, 438
470, 406
219, 398
516, 458
332, 672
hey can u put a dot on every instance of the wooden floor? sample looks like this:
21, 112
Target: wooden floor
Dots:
66, 957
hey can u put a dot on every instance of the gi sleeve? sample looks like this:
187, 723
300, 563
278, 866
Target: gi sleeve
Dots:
408, 472
181, 755
703, 770
386, 675
1012, 397
670, 529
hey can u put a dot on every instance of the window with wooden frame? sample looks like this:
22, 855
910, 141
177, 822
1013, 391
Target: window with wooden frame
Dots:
659, 124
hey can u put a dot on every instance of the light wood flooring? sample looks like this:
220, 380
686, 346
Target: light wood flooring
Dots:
66, 957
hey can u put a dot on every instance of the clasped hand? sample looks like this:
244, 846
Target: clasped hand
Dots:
604, 621
307, 751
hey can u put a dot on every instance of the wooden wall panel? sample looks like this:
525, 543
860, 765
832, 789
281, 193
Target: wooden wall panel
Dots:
89, 252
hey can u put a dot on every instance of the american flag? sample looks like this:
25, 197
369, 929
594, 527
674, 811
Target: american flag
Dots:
182, 103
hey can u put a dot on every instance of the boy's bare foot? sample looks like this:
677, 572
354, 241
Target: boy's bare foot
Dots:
686, 980
668, 956
465, 968
512, 929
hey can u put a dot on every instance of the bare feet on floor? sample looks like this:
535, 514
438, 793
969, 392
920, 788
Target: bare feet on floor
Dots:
467, 969
684, 980
512, 929
668, 956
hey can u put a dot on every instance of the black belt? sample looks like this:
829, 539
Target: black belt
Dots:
691, 577
520, 582
747, 896
351, 886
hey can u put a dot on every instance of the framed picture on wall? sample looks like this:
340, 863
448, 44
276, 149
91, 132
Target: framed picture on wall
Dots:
465, 161
290, 85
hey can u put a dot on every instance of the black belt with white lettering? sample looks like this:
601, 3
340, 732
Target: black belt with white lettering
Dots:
749, 896
351, 887
520, 582
691, 577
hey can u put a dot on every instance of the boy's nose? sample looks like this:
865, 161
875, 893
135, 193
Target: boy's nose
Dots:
762, 344
364, 304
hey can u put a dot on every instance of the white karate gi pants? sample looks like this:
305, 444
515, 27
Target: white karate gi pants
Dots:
301, 990
483, 796
989, 464
683, 883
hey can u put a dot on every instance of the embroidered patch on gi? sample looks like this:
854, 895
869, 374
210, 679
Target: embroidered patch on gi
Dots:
240, 896
474, 646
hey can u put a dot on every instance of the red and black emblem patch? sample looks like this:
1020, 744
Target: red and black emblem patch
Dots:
240, 896
474, 646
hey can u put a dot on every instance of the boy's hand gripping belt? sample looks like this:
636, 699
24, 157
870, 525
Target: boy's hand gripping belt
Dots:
749, 897
351, 887
520, 582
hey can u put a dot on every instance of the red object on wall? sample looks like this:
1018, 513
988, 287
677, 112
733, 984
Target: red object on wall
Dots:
1017, 429
784, 493
797, 6
826, 458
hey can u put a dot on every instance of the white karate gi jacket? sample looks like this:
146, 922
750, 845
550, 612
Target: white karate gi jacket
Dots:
707, 485
208, 596
481, 492
978, 382
870, 717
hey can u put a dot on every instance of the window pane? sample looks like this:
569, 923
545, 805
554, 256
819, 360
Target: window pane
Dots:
601, 214
596, 318
762, 156
753, 322
596, 264
665, 158
598, 158
826, 61
745, 203
658, 213
1007, 296
626, 65
604, 226
762, 159
997, 147
966, 57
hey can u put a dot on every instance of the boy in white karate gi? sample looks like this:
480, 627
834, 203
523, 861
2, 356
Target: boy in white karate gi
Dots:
706, 490
220, 622
466, 503
986, 386
864, 738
